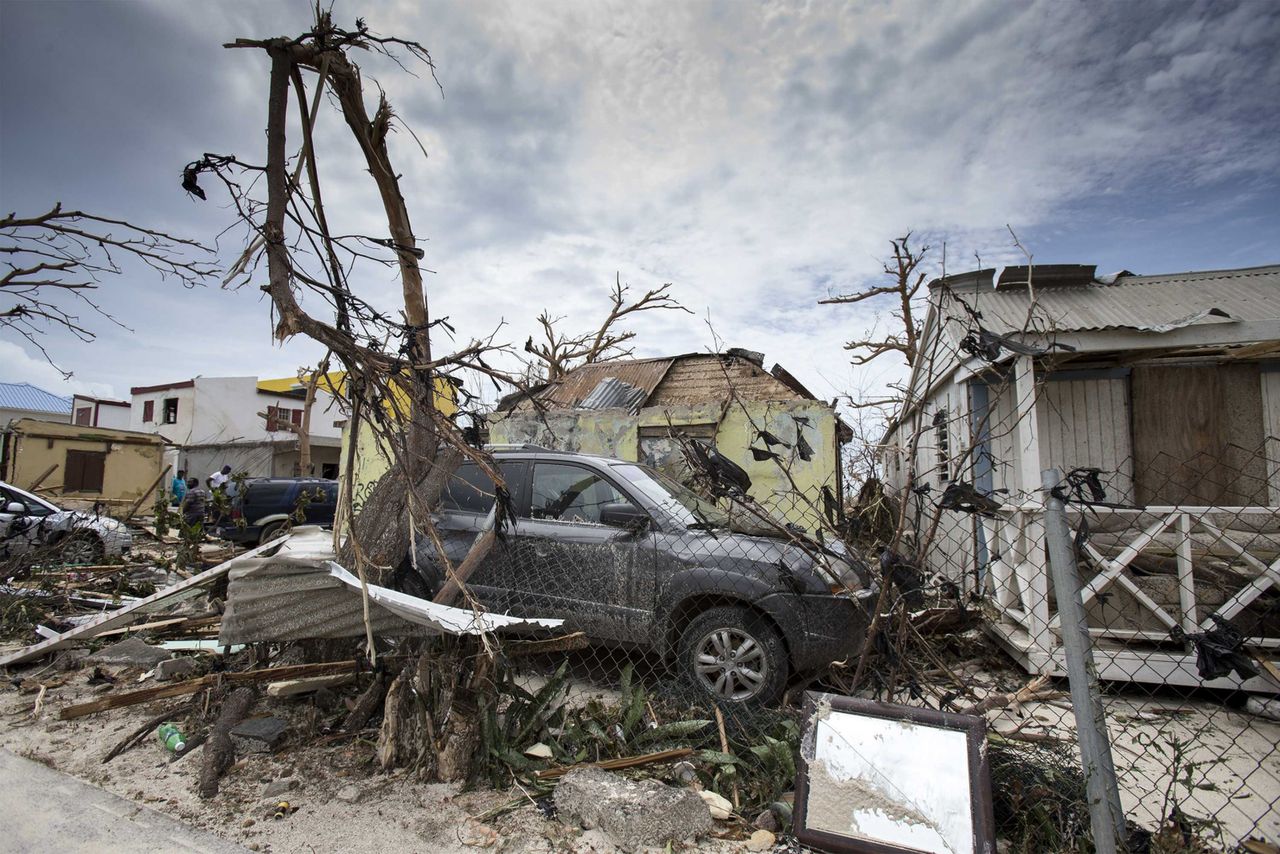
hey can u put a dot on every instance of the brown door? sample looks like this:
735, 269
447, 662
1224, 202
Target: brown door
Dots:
1197, 435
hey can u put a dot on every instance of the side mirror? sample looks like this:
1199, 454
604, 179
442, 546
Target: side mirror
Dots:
624, 515
17, 508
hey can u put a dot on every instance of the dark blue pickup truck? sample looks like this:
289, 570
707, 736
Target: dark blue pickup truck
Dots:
265, 506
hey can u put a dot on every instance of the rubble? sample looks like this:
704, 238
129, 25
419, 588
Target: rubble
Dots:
634, 814
175, 668
258, 735
720, 807
131, 652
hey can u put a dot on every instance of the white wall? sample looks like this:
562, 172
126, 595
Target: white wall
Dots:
7, 415
1086, 423
178, 432
223, 410
1271, 431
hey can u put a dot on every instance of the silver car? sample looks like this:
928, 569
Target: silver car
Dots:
29, 524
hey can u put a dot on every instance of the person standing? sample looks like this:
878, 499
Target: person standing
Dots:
193, 503
218, 480
178, 488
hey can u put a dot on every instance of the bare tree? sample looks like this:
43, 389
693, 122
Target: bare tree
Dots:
392, 374
561, 352
56, 260
905, 283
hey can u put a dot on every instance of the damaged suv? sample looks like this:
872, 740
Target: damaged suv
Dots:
632, 558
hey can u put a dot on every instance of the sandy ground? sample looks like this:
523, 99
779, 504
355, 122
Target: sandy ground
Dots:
375, 811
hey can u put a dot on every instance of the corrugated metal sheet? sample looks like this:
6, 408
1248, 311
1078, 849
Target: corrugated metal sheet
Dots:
1152, 303
300, 593
28, 397
574, 387
613, 393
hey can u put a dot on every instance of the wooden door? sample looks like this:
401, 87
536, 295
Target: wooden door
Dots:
1197, 435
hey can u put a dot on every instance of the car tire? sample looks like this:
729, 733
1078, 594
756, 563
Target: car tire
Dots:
733, 656
269, 532
80, 549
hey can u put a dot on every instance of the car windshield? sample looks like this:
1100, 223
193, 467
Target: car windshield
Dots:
681, 503
36, 506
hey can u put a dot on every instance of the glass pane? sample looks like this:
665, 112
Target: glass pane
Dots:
570, 494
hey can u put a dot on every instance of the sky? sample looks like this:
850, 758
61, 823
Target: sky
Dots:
758, 156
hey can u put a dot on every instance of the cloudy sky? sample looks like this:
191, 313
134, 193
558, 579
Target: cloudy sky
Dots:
758, 156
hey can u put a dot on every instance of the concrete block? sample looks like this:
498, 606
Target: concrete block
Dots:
633, 814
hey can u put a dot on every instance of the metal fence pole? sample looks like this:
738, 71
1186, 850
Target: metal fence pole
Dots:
1105, 813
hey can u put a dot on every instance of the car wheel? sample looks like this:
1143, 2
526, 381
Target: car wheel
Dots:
270, 532
735, 656
80, 549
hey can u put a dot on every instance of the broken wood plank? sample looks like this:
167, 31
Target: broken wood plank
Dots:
617, 764
190, 686
307, 684
35, 484
564, 643
126, 614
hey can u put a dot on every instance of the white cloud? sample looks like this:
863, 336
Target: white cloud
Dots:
18, 367
756, 157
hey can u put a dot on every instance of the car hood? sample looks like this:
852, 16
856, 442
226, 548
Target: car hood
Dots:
766, 555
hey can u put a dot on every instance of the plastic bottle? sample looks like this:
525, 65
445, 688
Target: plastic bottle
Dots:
171, 737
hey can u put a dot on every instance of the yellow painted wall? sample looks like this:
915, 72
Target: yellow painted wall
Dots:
616, 433
335, 384
132, 464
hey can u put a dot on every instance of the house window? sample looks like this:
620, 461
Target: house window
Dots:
170, 410
942, 442
279, 418
84, 416
84, 471
148, 411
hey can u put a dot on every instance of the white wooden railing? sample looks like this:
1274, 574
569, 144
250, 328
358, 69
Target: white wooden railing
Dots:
1017, 580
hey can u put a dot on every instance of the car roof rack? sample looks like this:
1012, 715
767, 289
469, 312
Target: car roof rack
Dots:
517, 446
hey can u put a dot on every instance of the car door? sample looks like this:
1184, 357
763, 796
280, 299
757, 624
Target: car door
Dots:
324, 500
463, 511
22, 532
597, 577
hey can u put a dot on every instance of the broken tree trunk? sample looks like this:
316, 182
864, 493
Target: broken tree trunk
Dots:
370, 701
219, 752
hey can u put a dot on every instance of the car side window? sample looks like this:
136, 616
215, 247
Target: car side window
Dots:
471, 491
570, 494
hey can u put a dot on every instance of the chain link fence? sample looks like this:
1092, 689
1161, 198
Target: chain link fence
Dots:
696, 625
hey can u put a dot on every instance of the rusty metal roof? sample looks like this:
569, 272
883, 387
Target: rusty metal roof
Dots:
1148, 303
574, 387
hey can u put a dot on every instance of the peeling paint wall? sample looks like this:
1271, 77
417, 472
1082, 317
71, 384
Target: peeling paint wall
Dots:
131, 465
616, 433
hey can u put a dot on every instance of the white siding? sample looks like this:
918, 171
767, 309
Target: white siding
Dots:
1085, 423
1271, 431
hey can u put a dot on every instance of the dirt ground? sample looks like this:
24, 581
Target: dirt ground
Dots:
340, 801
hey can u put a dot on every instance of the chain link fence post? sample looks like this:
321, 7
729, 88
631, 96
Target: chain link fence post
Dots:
1105, 813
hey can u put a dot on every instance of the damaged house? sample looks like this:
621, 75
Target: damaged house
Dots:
767, 422
1168, 386
248, 424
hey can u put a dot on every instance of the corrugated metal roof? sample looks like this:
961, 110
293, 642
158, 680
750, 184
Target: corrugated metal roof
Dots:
32, 399
1151, 303
613, 393
574, 387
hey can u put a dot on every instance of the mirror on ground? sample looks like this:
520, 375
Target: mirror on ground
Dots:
873, 777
